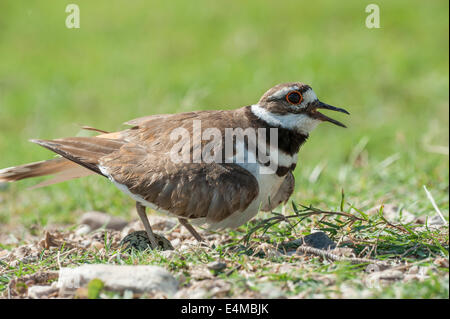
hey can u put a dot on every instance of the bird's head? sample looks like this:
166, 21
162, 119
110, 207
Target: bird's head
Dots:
295, 106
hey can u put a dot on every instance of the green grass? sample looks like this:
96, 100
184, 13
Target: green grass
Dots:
141, 58
250, 271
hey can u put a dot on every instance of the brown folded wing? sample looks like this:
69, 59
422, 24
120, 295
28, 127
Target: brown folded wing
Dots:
189, 190
139, 158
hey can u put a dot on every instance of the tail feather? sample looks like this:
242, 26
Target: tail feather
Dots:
85, 151
76, 171
36, 169
80, 153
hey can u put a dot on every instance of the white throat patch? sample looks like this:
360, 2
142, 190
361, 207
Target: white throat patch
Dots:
302, 123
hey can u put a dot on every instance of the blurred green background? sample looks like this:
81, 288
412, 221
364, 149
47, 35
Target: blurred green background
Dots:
136, 58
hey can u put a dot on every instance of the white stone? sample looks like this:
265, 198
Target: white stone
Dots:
37, 292
83, 230
139, 278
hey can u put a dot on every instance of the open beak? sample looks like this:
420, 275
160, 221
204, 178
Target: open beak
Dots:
320, 105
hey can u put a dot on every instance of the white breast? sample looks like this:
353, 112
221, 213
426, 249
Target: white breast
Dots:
268, 187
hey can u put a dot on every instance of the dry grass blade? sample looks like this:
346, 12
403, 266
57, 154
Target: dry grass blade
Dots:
329, 255
301, 214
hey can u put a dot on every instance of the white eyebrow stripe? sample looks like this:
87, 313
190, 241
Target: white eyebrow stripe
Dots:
282, 92
309, 96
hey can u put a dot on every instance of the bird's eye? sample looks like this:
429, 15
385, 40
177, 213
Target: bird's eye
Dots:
294, 97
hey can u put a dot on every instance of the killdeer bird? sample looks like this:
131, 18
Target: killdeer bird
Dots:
224, 193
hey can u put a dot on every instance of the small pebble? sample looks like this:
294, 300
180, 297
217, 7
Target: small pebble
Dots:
83, 230
413, 270
436, 221
217, 266
97, 245
38, 292
4, 253
176, 242
168, 254
441, 262
96, 220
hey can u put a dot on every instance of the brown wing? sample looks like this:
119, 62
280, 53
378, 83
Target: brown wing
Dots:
139, 159
190, 190
158, 119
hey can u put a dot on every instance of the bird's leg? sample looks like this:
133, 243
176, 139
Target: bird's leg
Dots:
143, 216
191, 229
